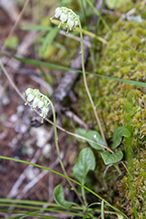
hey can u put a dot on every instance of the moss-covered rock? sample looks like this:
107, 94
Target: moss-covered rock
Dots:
123, 104
139, 187
124, 57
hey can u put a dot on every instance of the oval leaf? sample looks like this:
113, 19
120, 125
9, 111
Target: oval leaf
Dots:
84, 163
118, 134
59, 197
109, 158
81, 132
95, 136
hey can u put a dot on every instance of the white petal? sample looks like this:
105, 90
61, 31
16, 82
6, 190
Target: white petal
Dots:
58, 12
36, 101
76, 22
70, 23
71, 15
64, 17
28, 91
45, 110
30, 97
40, 104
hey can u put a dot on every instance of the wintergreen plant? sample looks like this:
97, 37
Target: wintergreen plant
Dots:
41, 102
67, 15
85, 162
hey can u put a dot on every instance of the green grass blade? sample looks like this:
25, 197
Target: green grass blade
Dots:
36, 27
50, 65
53, 171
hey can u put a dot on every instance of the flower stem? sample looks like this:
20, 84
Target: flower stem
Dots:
58, 151
86, 86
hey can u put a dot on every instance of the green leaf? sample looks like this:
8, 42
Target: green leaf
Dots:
81, 132
59, 197
109, 158
48, 39
84, 163
95, 136
37, 27
118, 134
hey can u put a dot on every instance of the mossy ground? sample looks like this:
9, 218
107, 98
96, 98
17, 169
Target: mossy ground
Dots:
122, 104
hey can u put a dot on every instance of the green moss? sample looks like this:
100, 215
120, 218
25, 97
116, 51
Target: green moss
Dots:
121, 104
139, 186
124, 57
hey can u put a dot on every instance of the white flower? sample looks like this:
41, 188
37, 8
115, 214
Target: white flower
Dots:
64, 16
30, 97
58, 12
70, 23
45, 111
70, 15
45, 102
76, 22
28, 91
35, 101
40, 103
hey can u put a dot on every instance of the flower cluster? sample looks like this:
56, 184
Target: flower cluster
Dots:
38, 100
68, 16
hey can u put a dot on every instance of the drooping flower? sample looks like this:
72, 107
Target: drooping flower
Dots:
37, 99
70, 23
45, 111
58, 12
66, 15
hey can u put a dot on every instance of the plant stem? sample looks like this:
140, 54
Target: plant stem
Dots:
86, 86
83, 194
58, 151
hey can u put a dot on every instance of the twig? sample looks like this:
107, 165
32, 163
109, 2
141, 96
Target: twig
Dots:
15, 25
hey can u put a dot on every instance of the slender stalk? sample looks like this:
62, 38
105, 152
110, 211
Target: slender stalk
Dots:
86, 86
58, 152
83, 194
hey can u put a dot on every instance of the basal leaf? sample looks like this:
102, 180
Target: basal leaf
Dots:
95, 136
84, 163
118, 134
109, 158
59, 197
81, 132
